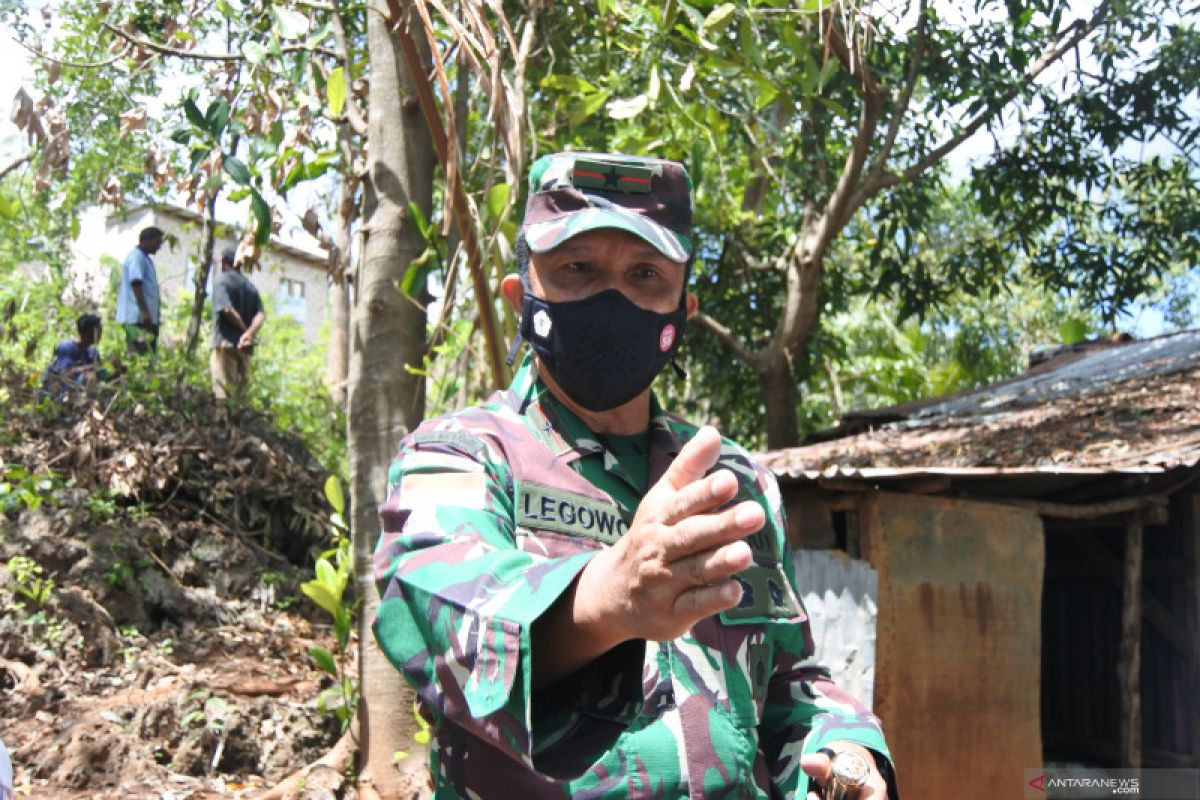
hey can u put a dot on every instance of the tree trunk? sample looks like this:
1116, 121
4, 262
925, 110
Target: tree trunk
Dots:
200, 279
781, 399
385, 401
337, 365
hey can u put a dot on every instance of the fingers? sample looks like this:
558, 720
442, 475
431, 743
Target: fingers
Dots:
705, 601
695, 459
713, 566
701, 532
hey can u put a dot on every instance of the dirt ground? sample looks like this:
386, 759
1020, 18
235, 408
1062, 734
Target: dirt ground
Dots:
161, 665
153, 635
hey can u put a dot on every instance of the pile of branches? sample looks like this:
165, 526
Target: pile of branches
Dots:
181, 452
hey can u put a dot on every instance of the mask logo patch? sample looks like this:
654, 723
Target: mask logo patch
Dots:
542, 323
666, 338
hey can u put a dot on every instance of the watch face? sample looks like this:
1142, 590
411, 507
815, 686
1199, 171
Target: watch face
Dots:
850, 768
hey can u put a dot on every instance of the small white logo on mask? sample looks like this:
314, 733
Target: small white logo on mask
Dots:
666, 338
542, 323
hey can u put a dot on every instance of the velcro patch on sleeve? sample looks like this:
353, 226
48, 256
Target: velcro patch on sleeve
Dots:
433, 490
766, 595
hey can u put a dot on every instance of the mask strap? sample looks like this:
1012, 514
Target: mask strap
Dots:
679, 373
512, 350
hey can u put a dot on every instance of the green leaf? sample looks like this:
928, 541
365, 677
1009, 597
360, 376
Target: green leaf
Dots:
192, 112
497, 199
335, 91
628, 108
418, 270
198, 154
181, 135
8, 208
236, 169
326, 574
421, 737
718, 18
418, 219
216, 117
567, 83
238, 195
1073, 331
333, 493
262, 215
591, 104
767, 92
290, 24
324, 659
322, 595
341, 626
255, 53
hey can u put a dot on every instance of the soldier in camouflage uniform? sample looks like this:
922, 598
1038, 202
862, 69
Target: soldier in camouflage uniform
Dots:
592, 597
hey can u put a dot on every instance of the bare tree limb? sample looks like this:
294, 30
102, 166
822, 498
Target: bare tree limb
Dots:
74, 64
709, 324
483, 295
14, 164
900, 108
354, 113
178, 52
839, 206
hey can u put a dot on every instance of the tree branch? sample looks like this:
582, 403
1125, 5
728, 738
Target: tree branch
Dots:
73, 64
354, 114
1079, 31
917, 55
709, 324
166, 50
838, 206
14, 164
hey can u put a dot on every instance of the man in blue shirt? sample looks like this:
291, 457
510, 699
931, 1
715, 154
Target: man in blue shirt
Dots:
75, 362
138, 298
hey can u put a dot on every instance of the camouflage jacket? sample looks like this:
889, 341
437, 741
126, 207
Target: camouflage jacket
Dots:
491, 513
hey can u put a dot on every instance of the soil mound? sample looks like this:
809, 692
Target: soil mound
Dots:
153, 638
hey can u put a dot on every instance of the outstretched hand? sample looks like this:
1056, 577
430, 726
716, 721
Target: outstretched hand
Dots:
675, 564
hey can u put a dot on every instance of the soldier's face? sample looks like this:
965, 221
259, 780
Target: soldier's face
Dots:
605, 259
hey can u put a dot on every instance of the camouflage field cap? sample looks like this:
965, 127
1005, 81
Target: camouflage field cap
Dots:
570, 193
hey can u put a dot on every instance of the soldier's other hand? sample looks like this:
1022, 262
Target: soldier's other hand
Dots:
818, 766
674, 565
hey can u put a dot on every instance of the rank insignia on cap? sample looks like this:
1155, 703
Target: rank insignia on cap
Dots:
611, 177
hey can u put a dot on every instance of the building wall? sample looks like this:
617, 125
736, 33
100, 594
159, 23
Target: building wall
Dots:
958, 660
298, 286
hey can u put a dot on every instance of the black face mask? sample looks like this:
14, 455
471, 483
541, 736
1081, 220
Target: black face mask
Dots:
602, 350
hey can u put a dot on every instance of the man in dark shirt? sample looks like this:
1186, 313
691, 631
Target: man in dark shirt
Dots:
237, 317
75, 361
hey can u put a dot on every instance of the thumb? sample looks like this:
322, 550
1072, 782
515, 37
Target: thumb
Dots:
695, 459
816, 765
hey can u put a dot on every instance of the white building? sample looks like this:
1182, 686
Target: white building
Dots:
296, 279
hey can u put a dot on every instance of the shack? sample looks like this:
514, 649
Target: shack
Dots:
1036, 546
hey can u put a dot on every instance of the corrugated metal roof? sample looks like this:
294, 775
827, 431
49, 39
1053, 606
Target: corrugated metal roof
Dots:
1131, 407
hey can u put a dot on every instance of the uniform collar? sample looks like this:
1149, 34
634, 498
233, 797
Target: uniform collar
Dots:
567, 436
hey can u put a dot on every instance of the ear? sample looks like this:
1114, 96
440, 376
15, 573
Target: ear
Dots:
513, 291
692, 305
